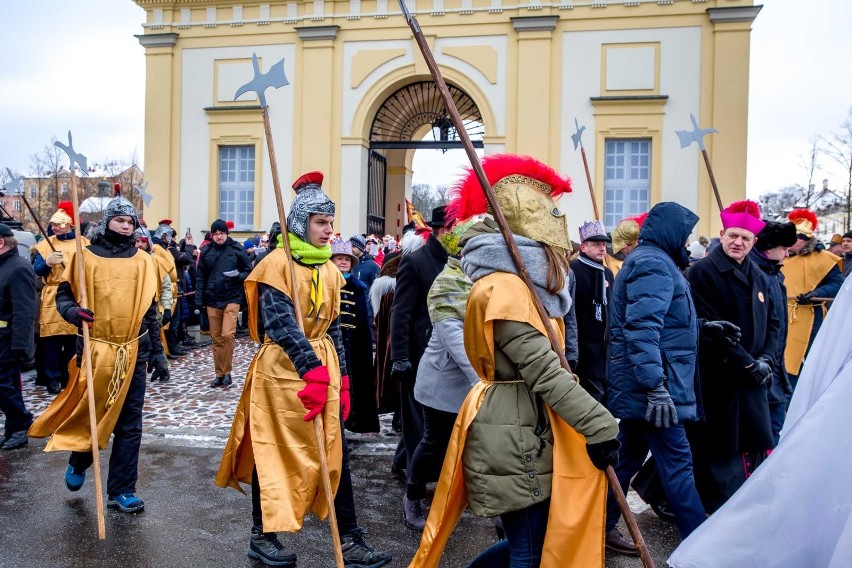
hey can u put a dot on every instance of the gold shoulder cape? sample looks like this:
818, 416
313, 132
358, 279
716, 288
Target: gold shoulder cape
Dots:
165, 263
119, 292
49, 320
269, 430
575, 525
803, 273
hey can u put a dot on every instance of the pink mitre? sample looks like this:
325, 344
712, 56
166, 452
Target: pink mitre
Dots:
743, 215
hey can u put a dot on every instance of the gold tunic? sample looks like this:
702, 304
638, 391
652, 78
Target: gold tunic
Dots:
166, 265
269, 430
803, 273
119, 292
50, 322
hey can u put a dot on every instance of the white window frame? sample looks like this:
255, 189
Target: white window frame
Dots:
627, 178
237, 185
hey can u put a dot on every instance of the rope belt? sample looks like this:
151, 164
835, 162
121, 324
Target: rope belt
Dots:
512, 382
794, 308
119, 371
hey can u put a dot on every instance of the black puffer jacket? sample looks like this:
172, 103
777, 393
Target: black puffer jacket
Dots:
213, 287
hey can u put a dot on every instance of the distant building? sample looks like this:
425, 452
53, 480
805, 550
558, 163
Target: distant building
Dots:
830, 209
360, 100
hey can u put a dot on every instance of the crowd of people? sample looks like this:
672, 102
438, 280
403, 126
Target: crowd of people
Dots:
689, 351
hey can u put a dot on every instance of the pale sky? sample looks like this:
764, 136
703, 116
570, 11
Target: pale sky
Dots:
76, 65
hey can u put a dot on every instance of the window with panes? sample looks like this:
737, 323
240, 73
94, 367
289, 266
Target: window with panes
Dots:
627, 179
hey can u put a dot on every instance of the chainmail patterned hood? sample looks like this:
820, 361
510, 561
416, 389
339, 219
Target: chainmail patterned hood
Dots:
116, 208
310, 199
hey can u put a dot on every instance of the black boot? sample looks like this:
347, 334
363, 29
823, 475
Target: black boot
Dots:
356, 553
218, 381
266, 548
226, 380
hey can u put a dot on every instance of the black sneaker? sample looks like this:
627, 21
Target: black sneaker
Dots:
226, 380
415, 513
15, 440
266, 548
356, 553
218, 381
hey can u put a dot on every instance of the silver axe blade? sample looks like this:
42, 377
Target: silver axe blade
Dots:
146, 198
696, 135
577, 137
73, 156
16, 183
274, 78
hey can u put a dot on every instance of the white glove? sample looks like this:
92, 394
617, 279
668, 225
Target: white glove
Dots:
232, 273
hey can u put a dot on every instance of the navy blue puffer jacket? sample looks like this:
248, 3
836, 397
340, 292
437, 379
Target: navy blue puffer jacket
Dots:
654, 332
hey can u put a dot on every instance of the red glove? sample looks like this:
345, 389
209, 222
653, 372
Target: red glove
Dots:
345, 404
315, 393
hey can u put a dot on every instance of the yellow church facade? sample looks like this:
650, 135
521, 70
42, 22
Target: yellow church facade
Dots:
359, 101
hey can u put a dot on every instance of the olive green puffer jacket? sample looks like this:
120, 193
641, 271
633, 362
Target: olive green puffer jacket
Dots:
507, 466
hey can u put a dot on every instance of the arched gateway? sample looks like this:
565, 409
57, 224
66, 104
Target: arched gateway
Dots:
360, 100
398, 131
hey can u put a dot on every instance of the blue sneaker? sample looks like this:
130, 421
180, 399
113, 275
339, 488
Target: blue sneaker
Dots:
127, 502
74, 480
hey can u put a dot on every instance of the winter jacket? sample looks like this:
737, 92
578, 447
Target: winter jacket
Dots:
572, 347
409, 316
653, 327
736, 409
780, 388
18, 307
367, 270
592, 333
213, 287
508, 456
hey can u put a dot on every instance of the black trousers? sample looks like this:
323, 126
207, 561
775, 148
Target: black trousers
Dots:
412, 419
11, 400
429, 455
57, 352
344, 501
127, 437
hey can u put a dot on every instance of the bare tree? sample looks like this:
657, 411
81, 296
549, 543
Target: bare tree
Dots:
810, 163
423, 198
839, 149
776, 203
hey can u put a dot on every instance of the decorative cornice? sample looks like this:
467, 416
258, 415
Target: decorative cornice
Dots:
233, 108
534, 23
630, 99
315, 33
734, 14
157, 40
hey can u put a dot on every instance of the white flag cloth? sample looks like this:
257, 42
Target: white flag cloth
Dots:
795, 511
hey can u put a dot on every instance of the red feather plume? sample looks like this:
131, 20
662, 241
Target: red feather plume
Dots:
468, 199
230, 225
799, 214
640, 219
116, 189
68, 207
744, 206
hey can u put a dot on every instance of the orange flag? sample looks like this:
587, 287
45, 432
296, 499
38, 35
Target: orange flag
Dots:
414, 215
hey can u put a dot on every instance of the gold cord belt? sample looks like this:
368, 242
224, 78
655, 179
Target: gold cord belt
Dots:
512, 382
794, 308
119, 371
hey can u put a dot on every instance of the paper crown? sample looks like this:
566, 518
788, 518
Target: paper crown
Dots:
593, 231
64, 214
805, 221
743, 214
340, 246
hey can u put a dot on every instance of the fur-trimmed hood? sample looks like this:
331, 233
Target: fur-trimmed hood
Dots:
814, 244
381, 286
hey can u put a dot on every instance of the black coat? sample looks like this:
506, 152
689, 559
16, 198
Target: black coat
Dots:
410, 325
18, 306
367, 270
592, 334
357, 343
736, 409
212, 287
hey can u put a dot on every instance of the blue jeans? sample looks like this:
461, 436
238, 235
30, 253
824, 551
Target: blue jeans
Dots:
674, 464
525, 530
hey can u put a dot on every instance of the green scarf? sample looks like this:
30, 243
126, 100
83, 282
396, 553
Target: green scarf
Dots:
448, 295
305, 253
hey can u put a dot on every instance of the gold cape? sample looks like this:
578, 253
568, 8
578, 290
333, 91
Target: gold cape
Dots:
269, 430
803, 273
165, 263
614, 264
575, 525
119, 292
50, 322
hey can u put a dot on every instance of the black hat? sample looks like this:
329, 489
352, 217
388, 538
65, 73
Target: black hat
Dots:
6, 231
219, 226
847, 235
439, 217
775, 234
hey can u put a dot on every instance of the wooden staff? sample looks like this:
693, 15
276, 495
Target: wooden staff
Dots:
87, 362
37, 222
318, 424
515, 254
578, 141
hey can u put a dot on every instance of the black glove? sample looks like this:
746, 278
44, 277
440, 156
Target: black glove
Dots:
401, 370
604, 454
721, 331
661, 410
22, 357
167, 317
160, 367
760, 371
573, 365
805, 298
79, 315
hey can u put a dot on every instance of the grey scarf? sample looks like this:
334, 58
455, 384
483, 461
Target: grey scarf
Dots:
485, 254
